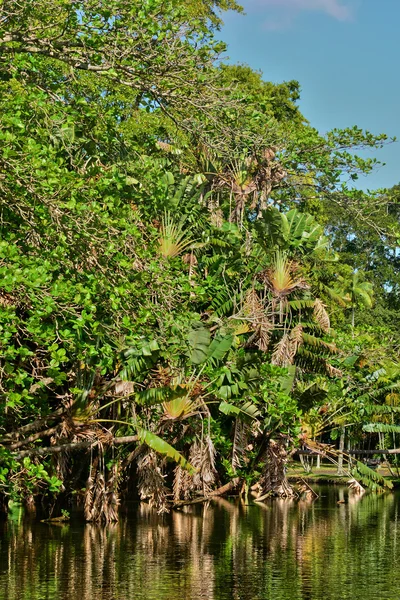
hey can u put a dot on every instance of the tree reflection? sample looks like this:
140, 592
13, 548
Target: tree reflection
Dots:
226, 549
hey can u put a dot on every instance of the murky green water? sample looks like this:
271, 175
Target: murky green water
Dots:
228, 550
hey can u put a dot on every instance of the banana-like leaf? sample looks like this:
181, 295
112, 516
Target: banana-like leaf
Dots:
273, 229
159, 395
199, 340
162, 447
218, 348
203, 350
248, 410
287, 381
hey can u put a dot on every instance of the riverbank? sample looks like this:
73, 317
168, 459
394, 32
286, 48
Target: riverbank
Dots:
327, 474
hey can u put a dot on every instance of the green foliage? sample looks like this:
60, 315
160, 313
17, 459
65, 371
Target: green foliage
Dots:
162, 447
148, 276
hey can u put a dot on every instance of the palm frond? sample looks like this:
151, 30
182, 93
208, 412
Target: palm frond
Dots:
315, 342
173, 238
370, 478
321, 316
247, 411
381, 428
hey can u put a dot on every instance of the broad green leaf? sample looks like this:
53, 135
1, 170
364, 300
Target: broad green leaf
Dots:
199, 340
162, 447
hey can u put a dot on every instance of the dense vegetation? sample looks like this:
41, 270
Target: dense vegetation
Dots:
190, 284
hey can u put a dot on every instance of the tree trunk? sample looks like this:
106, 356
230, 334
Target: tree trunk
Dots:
341, 448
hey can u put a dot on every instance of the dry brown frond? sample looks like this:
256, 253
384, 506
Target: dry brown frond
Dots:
356, 486
273, 479
333, 372
264, 334
111, 496
101, 496
202, 457
286, 349
183, 484
281, 355
240, 442
252, 306
321, 316
124, 388
161, 376
151, 485
296, 337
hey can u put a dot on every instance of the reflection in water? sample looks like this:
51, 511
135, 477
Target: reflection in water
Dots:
228, 549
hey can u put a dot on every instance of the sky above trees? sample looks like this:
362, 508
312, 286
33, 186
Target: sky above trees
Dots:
345, 55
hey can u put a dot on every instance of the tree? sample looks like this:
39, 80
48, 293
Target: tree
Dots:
359, 293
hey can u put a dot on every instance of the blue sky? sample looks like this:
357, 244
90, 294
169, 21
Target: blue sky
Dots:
344, 53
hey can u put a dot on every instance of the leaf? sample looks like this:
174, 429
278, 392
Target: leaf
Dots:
370, 478
272, 229
159, 395
218, 348
173, 239
381, 428
247, 411
162, 447
199, 340
384, 409
287, 381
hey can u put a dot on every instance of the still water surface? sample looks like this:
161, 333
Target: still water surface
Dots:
228, 550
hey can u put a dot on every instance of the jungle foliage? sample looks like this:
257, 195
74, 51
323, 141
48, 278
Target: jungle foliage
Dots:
190, 285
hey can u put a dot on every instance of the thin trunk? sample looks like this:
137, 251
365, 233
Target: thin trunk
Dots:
385, 458
341, 448
348, 451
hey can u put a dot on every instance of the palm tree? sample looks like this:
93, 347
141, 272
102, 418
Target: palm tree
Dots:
358, 293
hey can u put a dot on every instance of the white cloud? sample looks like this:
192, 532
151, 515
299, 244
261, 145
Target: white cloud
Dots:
286, 9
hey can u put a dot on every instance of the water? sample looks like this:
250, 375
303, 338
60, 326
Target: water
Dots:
283, 550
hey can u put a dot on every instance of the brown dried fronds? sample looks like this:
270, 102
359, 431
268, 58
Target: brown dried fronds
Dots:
202, 457
151, 484
333, 371
111, 495
253, 306
183, 484
264, 331
281, 355
240, 443
124, 388
321, 316
161, 376
273, 479
101, 494
296, 336
355, 486
286, 349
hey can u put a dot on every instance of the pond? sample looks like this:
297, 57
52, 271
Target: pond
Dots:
281, 550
